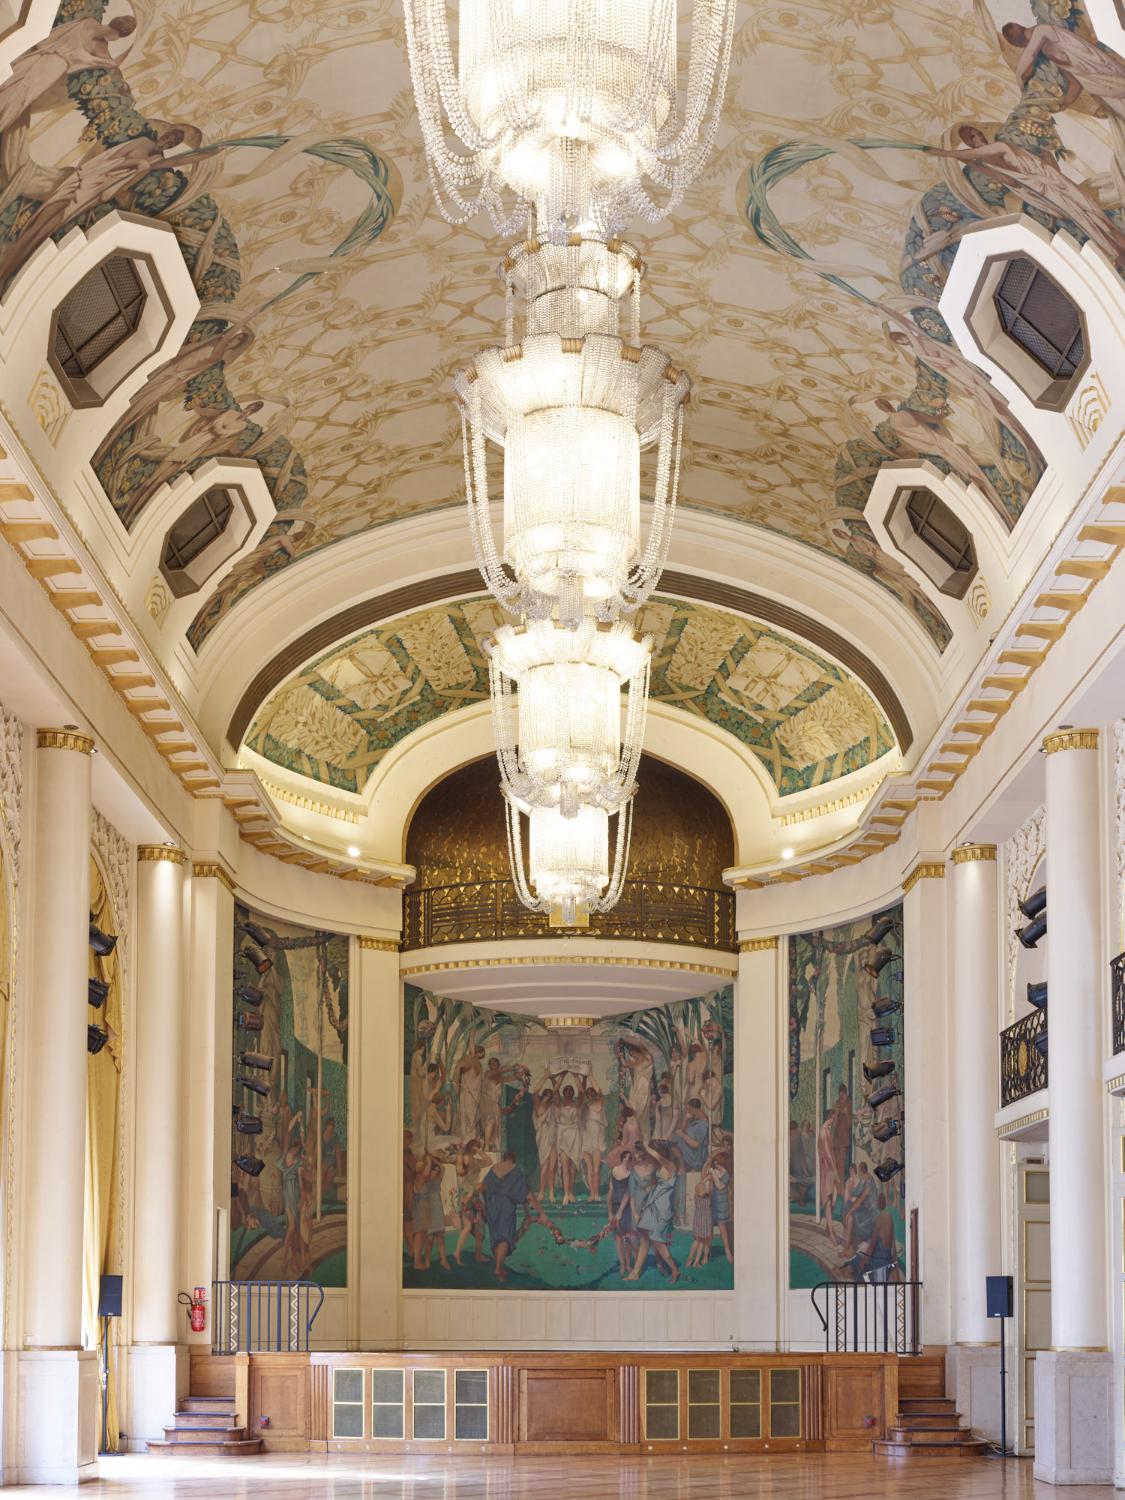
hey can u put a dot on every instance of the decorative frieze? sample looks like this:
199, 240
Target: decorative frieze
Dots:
379, 945
927, 870
64, 739
969, 854
160, 853
212, 870
1070, 739
758, 945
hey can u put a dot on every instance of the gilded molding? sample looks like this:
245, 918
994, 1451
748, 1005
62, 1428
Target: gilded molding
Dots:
568, 1023
210, 870
63, 739
579, 958
160, 853
1036, 1116
969, 854
1115, 1085
758, 945
380, 945
927, 870
1070, 739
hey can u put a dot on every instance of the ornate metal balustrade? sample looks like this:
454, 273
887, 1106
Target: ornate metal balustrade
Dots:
1023, 1064
870, 1316
654, 911
1117, 970
263, 1316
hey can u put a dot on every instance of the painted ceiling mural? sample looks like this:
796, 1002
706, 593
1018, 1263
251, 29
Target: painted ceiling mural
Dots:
798, 282
807, 720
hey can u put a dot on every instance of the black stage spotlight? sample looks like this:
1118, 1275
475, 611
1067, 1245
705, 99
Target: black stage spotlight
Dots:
1029, 936
96, 991
1035, 903
250, 994
259, 934
96, 1038
882, 1036
880, 930
1040, 1044
253, 1085
249, 1023
880, 1096
887, 1169
871, 1071
887, 1129
248, 1125
1037, 994
103, 943
882, 957
885, 1005
250, 1165
255, 956
255, 1060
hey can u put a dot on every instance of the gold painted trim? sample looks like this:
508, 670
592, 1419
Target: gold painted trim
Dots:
969, 854
380, 945
1076, 1349
1070, 739
579, 958
209, 870
63, 739
160, 853
758, 945
927, 870
565, 1023
1003, 1131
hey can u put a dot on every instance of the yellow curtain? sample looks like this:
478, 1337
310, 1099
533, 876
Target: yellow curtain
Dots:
6, 923
100, 1253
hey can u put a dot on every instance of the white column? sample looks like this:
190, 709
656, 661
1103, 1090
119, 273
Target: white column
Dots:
58, 1402
974, 1167
375, 1169
925, 1086
157, 1358
1073, 1381
760, 1280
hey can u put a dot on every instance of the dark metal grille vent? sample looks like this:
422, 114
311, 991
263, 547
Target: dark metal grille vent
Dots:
197, 528
97, 316
1041, 319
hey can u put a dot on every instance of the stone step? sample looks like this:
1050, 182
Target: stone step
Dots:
896, 1434
888, 1449
217, 1418
927, 1419
211, 1444
215, 1434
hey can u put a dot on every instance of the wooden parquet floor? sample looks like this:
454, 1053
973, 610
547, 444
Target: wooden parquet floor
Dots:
305, 1477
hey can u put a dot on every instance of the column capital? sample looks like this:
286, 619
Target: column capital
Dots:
64, 739
758, 944
927, 869
1070, 739
212, 870
967, 854
379, 945
160, 853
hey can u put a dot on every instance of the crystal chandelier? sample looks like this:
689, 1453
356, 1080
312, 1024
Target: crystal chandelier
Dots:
569, 110
573, 405
559, 734
571, 874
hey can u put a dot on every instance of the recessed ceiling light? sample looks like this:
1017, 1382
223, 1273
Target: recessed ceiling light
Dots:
787, 854
353, 851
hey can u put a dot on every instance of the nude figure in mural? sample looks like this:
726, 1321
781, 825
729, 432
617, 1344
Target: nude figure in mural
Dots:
545, 1118
637, 1060
1087, 67
594, 1129
1039, 181
468, 1078
70, 48
568, 1136
491, 1086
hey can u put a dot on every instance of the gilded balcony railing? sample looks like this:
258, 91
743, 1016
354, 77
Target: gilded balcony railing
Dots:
1023, 1058
653, 911
1117, 971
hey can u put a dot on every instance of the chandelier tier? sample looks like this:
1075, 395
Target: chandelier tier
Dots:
561, 737
569, 111
572, 406
568, 873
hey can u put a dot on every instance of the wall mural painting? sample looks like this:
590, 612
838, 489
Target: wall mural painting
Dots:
594, 1159
289, 1216
846, 1215
1053, 151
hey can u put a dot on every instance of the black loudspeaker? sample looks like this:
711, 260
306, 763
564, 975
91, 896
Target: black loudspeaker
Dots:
998, 1294
109, 1297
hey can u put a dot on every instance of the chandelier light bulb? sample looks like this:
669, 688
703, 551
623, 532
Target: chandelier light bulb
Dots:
572, 113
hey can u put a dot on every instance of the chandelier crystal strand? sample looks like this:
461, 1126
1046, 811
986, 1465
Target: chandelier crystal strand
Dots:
568, 109
571, 874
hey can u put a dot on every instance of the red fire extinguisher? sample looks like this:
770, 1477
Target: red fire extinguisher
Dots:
196, 1305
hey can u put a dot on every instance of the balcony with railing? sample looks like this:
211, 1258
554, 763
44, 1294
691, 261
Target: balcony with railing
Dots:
1117, 973
652, 911
1023, 1058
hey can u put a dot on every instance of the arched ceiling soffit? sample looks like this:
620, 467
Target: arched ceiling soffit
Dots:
799, 281
806, 719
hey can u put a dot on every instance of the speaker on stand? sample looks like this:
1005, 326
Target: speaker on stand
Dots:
109, 1306
998, 1304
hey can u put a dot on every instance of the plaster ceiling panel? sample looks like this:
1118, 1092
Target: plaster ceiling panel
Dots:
802, 272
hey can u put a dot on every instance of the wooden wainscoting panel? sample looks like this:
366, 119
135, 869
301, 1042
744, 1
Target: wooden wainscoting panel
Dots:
319, 1423
854, 1413
629, 1404
567, 1406
505, 1403
210, 1374
279, 1390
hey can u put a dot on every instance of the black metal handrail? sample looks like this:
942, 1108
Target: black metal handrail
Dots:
1117, 972
657, 911
257, 1317
1023, 1057
870, 1317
